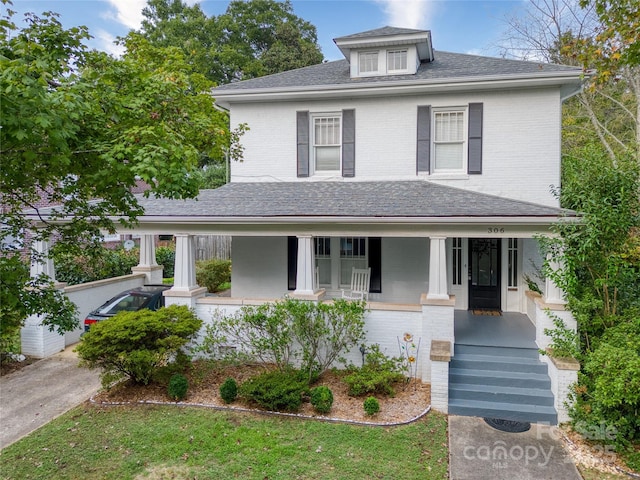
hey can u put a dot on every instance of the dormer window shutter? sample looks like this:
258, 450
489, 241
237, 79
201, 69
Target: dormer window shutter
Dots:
302, 141
475, 139
423, 153
349, 143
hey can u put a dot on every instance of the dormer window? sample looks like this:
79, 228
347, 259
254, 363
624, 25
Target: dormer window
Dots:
368, 62
396, 60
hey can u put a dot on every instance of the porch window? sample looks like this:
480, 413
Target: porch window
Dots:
512, 252
353, 253
323, 259
457, 261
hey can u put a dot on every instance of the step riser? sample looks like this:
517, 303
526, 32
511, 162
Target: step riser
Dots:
544, 399
504, 414
503, 382
498, 366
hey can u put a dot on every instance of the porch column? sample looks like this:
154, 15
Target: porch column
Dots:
36, 340
437, 270
552, 293
306, 288
148, 264
185, 289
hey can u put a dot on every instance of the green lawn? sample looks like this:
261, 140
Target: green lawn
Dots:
162, 442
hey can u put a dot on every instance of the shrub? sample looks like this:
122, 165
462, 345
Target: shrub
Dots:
322, 399
99, 264
377, 375
212, 273
166, 256
135, 344
277, 390
229, 390
178, 386
269, 332
371, 406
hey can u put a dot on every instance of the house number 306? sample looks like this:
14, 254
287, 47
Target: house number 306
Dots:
495, 230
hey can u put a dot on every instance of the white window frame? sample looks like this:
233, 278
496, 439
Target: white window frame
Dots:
314, 145
404, 69
367, 57
463, 142
512, 263
336, 258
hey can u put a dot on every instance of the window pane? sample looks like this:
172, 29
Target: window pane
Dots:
368, 62
397, 60
327, 158
449, 127
448, 156
327, 131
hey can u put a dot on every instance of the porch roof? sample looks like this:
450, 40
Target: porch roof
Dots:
340, 200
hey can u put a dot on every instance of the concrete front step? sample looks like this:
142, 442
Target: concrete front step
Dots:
496, 351
499, 394
505, 364
500, 382
499, 378
505, 411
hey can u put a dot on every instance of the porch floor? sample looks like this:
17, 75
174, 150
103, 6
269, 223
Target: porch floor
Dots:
508, 330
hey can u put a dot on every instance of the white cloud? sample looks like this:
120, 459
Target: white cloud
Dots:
104, 41
408, 13
128, 12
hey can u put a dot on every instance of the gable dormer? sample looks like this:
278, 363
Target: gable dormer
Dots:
386, 51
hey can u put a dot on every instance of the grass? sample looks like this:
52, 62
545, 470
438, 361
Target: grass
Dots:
155, 442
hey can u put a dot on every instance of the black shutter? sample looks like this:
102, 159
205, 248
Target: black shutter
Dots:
375, 262
302, 140
475, 138
348, 143
292, 262
423, 153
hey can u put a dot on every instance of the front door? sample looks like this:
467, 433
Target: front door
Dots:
484, 273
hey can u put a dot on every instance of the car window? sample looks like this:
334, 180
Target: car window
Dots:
125, 303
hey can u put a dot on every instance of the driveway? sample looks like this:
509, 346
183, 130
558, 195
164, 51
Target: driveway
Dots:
38, 393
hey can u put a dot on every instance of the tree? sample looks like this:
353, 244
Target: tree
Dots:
79, 128
249, 40
561, 31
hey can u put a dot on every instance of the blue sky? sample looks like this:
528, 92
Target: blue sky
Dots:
465, 26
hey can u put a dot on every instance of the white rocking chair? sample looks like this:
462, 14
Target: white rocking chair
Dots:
360, 278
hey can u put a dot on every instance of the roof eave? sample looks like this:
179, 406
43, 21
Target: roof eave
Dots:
570, 81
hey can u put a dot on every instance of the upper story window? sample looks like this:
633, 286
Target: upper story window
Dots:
368, 62
326, 142
396, 60
449, 140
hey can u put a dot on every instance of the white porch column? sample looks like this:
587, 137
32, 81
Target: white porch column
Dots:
148, 264
437, 270
306, 288
185, 290
552, 293
44, 264
36, 339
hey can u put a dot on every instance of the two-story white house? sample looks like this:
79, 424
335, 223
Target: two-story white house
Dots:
431, 168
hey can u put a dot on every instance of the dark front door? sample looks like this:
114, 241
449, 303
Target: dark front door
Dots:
484, 273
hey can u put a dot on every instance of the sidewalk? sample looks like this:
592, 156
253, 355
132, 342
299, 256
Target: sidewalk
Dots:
42, 391
478, 451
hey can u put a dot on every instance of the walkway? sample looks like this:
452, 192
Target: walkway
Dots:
41, 392
478, 451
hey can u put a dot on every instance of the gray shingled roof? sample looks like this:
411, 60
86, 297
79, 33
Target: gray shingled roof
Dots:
344, 199
380, 32
444, 67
